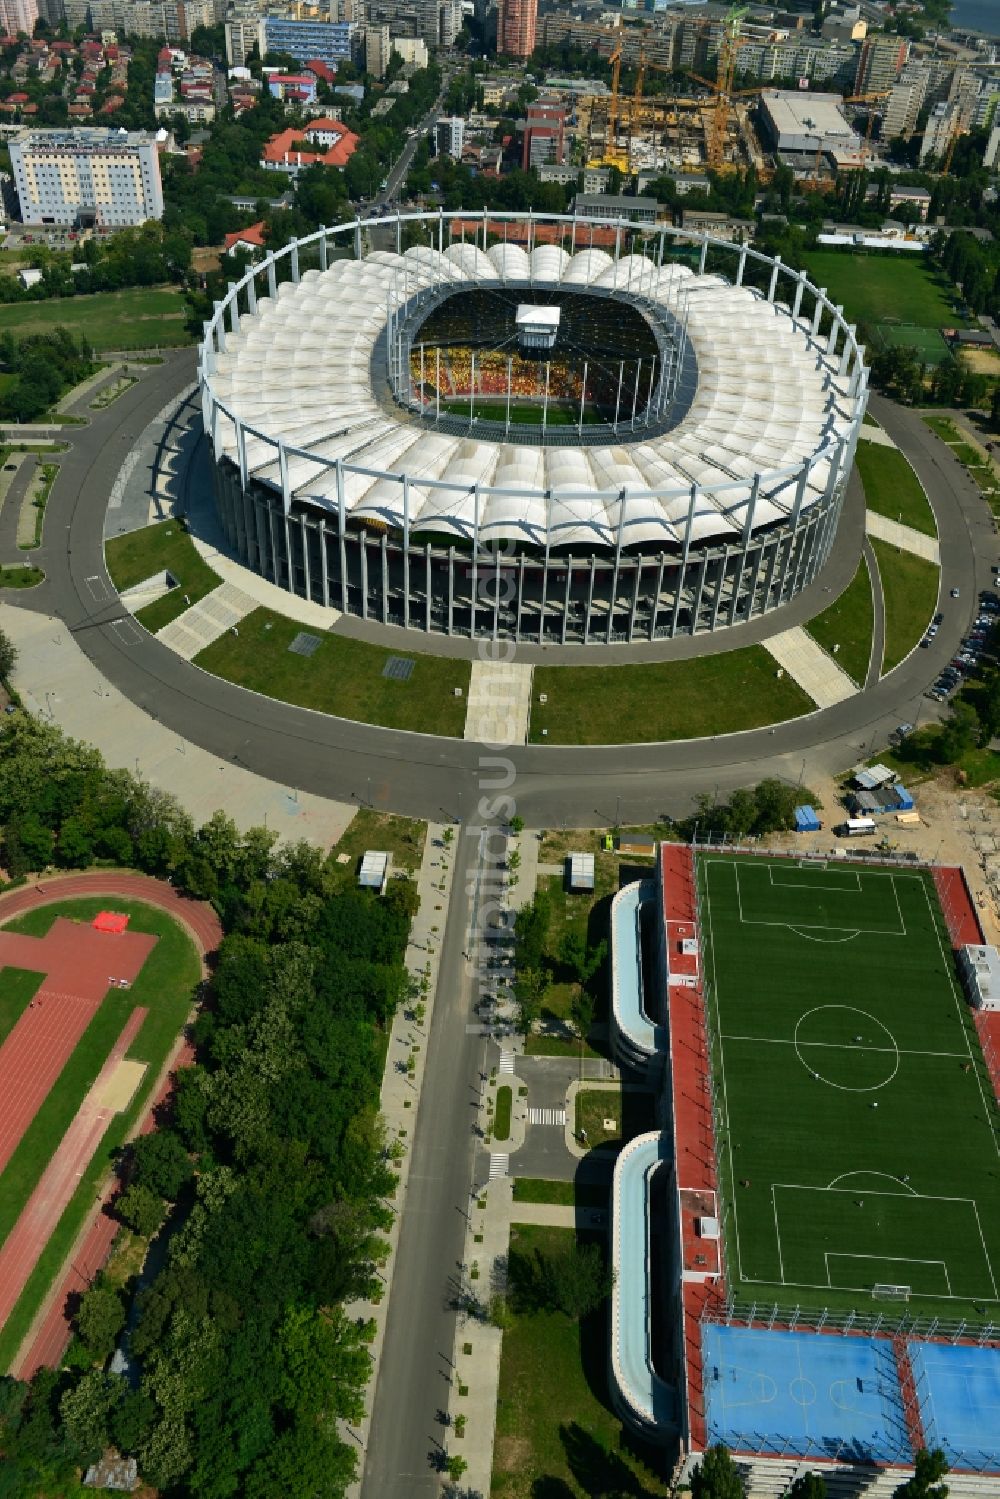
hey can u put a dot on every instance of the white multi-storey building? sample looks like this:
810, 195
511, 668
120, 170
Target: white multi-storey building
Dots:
18, 15
109, 177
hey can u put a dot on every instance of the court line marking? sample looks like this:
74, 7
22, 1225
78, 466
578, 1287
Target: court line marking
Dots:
865, 1171
777, 1233
883, 1259
812, 884
806, 926
845, 1046
722, 1067
876, 1192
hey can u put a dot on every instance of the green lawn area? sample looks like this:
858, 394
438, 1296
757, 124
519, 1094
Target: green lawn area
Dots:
973, 461
402, 837
140, 318
17, 987
501, 1115
20, 577
537, 1045
872, 288
665, 700
910, 587
892, 488
343, 676
848, 624
595, 1108
556, 1432
559, 1194
138, 555
166, 987
860, 1116
582, 915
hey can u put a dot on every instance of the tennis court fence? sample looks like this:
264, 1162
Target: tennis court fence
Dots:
884, 1322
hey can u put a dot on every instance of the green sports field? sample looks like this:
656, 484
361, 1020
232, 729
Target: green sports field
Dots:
859, 1142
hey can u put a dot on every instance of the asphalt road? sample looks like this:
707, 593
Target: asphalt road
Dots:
406, 1436
422, 775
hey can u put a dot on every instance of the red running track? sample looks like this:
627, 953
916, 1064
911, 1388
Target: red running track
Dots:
52, 1334
80, 964
47, 1203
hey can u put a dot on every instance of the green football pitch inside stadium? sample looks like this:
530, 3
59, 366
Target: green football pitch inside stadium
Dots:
858, 1132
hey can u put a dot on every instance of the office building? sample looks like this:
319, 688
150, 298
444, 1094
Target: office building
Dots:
87, 176
903, 107
412, 49
18, 15
543, 142
306, 41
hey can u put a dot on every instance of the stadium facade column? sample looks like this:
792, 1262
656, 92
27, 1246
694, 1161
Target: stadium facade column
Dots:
258, 510
818, 311
774, 549
590, 599
696, 611
241, 449
704, 255
342, 532
757, 565
475, 561
234, 308
286, 489
800, 287
685, 553
324, 259
399, 235
363, 549
566, 598
357, 241
720, 580
545, 583
654, 612
775, 273
745, 548
613, 600
294, 262
306, 569
520, 597
406, 551
831, 340
637, 564
741, 268
800, 494
272, 275
497, 584
428, 580
845, 353
451, 590
440, 231
384, 555
324, 560
275, 553
220, 327
252, 296
289, 570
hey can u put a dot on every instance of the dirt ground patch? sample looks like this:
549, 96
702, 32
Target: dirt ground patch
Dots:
982, 361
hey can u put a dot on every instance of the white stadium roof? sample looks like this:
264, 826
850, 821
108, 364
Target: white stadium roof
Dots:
299, 370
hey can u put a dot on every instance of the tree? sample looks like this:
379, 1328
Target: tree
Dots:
160, 1163
576, 1281
960, 733
87, 1410
8, 656
995, 409
809, 1486
456, 1466
716, 1476
100, 1319
929, 1469
140, 1210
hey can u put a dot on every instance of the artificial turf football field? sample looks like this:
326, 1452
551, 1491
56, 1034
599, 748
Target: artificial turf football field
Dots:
859, 1140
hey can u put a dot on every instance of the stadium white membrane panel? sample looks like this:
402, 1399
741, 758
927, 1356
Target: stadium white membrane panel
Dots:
768, 400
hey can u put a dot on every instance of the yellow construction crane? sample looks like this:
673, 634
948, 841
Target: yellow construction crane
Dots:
722, 89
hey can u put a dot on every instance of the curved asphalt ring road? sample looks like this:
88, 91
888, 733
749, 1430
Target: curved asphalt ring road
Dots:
433, 777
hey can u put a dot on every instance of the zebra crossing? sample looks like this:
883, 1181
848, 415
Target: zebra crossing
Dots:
498, 1166
506, 1061
547, 1116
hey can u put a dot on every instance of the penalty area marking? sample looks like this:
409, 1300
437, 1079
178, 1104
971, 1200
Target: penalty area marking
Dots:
802, 927
883, 1259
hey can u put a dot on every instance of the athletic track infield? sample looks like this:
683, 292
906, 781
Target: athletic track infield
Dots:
80, 965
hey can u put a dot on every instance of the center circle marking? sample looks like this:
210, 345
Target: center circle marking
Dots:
811, 1055
802, 1391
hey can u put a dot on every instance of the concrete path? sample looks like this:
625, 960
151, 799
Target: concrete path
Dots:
148, 592
401, 1088
877, 435
878, 631
205, 621
13, 502
808, 663
544, 1214
57, 681
904, 537
499, 703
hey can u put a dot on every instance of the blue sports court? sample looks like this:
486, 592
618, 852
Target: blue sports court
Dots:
804, 1394
958, 1391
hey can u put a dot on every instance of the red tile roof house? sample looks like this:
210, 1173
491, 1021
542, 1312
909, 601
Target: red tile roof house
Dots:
288, 151
250, 238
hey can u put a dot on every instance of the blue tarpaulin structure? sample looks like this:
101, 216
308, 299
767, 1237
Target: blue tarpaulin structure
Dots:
806, 820
904, 800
